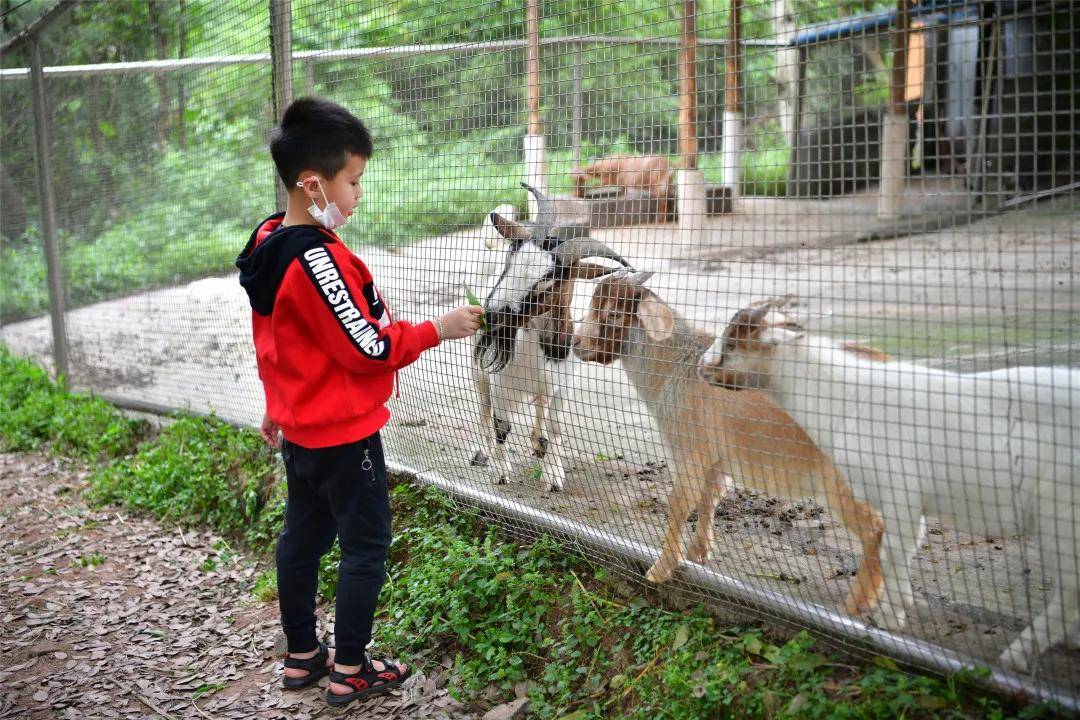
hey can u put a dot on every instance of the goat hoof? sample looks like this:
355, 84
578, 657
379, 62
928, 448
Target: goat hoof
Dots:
479, 459
1014, 660
888, 618
698, 555
540, 447
659, 573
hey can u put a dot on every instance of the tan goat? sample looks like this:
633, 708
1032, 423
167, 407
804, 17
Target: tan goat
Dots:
650, 173
710, 432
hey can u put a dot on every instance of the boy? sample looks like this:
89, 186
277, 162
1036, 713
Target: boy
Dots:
328, 352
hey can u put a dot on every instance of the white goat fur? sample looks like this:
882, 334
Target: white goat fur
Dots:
532, 375
992, 454
528, 378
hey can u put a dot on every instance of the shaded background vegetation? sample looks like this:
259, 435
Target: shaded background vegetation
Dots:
160, 176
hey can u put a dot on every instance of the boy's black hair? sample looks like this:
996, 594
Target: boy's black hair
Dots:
319, 135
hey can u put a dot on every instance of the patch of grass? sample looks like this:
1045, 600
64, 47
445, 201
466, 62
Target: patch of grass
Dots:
967, 336
510, 612
36, 413
265, 588
92, 560
198, 471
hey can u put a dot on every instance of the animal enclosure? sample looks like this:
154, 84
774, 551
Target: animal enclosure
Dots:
903, 174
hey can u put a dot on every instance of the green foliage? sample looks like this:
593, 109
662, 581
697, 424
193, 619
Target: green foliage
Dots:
506, 611
196, 471
36, 413
152, 193
509, 612
265, 588
486, 597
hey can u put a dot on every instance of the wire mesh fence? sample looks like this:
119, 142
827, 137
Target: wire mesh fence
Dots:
885, 452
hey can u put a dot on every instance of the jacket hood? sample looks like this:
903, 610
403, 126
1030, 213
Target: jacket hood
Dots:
269, 252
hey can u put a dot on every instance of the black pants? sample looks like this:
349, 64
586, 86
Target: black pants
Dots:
338, 492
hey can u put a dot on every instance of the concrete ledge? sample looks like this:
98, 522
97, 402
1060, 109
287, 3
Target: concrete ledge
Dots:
607, 207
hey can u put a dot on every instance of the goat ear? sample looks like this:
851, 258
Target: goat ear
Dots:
512, 231
779, 335
656, 318
723, 377
745, 325
590, 271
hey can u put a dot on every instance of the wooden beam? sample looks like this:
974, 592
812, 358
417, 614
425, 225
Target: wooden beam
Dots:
38, 26
688, 148
532, 65
731, 75
898, 79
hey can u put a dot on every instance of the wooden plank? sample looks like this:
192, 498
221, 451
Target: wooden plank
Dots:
688, 149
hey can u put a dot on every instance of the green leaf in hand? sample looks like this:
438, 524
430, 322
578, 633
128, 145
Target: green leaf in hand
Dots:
473, 301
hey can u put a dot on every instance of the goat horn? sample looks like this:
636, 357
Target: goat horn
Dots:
570, 251
545, 213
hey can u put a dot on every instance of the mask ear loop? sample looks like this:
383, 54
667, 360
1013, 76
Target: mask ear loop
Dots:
326, 202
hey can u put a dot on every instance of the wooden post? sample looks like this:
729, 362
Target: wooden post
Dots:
54, 266
690, 185
309, 76
732, 144
575, 133
534, 135
281, 70
688, 146
894, 129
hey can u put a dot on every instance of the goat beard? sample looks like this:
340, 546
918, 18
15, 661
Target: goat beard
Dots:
495, 347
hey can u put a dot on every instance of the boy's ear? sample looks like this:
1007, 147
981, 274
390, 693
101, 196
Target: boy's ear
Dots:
305, 181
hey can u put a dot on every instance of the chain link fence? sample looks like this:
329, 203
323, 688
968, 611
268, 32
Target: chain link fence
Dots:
904, 174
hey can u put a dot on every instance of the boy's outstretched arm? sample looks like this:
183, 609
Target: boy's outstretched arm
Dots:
347, 316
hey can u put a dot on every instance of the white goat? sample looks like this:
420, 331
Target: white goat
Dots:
992, 454
524, 354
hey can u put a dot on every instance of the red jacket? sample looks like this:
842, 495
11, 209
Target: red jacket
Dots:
326, 345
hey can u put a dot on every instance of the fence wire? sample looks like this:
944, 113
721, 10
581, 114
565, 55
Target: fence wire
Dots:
900, 178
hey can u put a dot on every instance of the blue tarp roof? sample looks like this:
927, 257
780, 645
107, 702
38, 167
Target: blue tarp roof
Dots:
940, 10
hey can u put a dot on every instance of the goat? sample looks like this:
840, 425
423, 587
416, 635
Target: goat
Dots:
525, 351
709, 432
651, 173
989, 453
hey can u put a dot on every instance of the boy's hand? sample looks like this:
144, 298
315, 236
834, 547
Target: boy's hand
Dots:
270, 431
461, 323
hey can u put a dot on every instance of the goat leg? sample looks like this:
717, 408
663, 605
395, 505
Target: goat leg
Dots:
483, 392
679, 506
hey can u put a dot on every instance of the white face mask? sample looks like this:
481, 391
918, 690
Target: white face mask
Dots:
330, 217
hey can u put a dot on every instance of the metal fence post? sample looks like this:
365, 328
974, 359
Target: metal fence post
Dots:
281, 70
54, 267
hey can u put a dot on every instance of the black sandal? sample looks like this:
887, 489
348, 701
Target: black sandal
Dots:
316, 668
367, 680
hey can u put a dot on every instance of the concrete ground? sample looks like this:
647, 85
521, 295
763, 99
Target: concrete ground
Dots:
971, 296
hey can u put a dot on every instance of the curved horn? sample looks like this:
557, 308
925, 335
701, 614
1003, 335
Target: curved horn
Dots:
569, 251
545, 213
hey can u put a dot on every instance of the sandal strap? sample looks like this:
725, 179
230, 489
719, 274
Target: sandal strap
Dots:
311, 664
369, 674
389, 664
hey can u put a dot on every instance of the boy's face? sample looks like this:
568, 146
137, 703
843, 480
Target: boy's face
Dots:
343, 189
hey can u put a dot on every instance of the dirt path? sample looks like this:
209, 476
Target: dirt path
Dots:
108, 616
